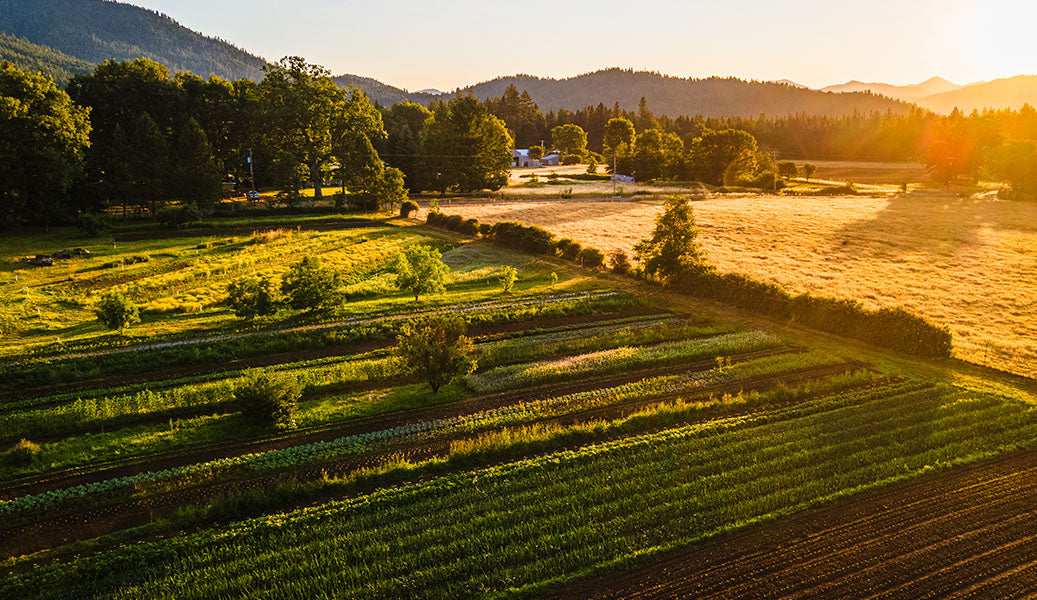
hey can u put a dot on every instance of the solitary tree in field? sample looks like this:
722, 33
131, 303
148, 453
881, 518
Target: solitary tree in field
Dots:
809, 170
309, 286
436, 350
672, 247
508, 277
251, 298
420, 270
268, 399
116, 311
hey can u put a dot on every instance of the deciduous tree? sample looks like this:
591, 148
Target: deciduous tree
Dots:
436, 350
43, 136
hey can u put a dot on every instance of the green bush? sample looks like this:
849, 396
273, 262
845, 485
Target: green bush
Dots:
178, 217
22, 453
569, 249
115, 311
251, 298
620, 262
267, 399
592, 258
92, 224
309, 286
484, 229
407, 207
535, 240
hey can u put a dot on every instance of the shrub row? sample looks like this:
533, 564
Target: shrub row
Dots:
887, 327
893, 328
518, 236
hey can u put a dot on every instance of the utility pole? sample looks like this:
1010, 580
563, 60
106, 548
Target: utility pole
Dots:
251, 170
614, 163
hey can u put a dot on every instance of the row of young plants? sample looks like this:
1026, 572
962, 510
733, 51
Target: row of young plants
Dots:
620, 359
300, 366
693, 384
316, 377
521, 526
31, 372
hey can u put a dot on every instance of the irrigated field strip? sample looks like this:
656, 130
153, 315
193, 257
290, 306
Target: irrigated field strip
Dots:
964, 533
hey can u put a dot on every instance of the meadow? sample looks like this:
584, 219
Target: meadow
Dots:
605, 423
967, 262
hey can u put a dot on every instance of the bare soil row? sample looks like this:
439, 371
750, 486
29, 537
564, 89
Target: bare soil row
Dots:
965, 532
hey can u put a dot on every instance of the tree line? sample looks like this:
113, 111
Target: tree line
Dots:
132, 134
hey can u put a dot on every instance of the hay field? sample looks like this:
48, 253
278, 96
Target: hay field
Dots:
970, 263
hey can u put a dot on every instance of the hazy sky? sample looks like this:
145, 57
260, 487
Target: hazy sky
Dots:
446, 44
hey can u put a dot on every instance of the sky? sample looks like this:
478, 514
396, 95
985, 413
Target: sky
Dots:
446, 44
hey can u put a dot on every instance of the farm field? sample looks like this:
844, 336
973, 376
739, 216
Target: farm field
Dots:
968, 263
952, 535
604, 424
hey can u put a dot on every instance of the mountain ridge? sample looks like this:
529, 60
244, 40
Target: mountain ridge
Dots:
97, 30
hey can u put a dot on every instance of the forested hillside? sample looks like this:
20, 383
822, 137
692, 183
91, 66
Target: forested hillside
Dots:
33, 57
382, 93
673, 96
96, 30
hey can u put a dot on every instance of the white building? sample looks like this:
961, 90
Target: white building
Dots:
552, 159
520, 158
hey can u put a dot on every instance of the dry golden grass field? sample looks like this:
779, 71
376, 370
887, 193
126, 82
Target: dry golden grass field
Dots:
970, 263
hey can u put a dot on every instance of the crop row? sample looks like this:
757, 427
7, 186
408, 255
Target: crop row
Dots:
125, 362
316, 377
523, 525
475, 422
619, 359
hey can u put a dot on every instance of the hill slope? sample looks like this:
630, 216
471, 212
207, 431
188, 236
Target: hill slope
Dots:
1012, 92
33, 57
934, 85
673, 96
382, 93
96, 30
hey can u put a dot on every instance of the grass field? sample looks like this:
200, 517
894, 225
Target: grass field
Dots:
969, 263
605, 425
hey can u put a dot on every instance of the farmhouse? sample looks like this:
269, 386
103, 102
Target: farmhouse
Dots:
520, 158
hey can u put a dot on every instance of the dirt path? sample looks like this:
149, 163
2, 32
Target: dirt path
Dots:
967, 532
65, 527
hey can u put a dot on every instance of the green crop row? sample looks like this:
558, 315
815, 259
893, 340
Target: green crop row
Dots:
620, 359
516, 528
476, 422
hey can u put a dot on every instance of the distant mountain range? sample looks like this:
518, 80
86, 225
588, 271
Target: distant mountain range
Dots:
935, 85
942, 96
65, 37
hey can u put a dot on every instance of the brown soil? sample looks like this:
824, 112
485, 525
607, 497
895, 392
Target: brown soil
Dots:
965, 532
